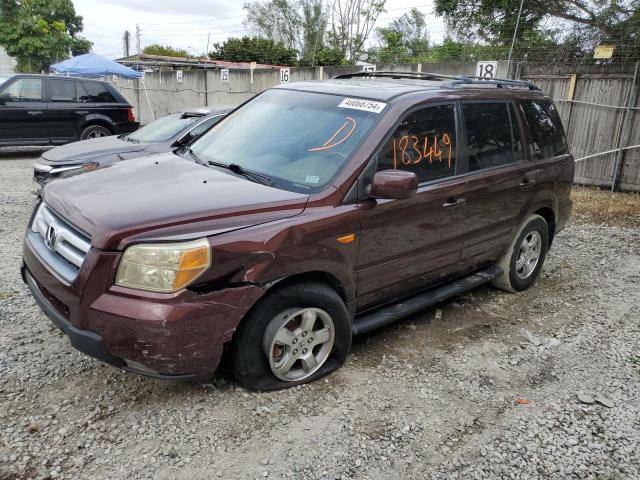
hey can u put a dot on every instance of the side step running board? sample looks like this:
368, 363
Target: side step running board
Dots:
391, 313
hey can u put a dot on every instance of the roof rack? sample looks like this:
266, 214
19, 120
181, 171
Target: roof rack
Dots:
498, 82
451, 80
389, 74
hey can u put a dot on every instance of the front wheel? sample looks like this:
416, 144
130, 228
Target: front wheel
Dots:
94, 131
523, 261
295, 335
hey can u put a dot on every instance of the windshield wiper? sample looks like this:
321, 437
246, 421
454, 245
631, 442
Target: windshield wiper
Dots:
248, 174
195, 157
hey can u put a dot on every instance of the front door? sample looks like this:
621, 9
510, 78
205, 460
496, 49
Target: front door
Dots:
405, 245
23, 113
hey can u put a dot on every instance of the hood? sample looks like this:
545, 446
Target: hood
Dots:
165, 197
79, 152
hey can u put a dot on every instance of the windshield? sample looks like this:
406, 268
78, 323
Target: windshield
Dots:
299, 139
164, 128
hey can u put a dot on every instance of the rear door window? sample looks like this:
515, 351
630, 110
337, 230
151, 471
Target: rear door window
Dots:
490, 138
63, 91
23, 90
423, 143
98, 92
546, 128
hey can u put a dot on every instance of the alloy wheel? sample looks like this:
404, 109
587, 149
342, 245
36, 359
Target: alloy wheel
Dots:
528, 255
299, 342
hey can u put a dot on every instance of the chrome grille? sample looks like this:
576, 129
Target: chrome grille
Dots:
59, 244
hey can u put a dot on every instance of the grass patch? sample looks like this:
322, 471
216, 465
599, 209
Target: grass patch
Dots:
594, 205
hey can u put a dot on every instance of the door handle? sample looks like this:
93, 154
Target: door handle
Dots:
454, 202
35, 112
527, 183
82, 112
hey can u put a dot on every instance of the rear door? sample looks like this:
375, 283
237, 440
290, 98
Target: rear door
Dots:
500, 179
105, 103
68, 107
550, 154
405, 245
22, 112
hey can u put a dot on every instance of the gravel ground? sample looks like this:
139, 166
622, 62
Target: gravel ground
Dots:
486, 386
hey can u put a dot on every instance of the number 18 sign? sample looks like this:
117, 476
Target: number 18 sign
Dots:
487, 69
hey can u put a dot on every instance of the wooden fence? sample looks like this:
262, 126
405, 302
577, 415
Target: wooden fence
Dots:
592, 101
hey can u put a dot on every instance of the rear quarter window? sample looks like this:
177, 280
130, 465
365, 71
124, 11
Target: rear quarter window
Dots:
99, 92
547, 134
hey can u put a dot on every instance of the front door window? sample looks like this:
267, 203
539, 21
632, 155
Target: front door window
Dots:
424, 143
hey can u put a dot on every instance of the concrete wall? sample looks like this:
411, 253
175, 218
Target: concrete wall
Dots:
205, 88
7, 63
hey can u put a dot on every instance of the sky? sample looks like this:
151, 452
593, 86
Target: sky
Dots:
186, 24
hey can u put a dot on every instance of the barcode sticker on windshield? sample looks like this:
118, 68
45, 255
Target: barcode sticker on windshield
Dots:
361, 104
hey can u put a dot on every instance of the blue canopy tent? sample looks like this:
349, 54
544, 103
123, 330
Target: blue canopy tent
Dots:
91, 65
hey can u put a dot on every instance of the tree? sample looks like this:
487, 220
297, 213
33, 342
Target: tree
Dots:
393, 48
405, 39
330, 56
277, 20
314, 27
299, 24
413, 27
588, 21
40, 32
254, 49
165, 51
351, 24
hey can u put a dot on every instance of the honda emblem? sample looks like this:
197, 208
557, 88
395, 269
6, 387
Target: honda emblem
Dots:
50, 237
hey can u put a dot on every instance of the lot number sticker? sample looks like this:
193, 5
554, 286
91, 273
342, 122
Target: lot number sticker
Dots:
360, 104
487, 69
369, 68
284, 75
224, 75
179, 76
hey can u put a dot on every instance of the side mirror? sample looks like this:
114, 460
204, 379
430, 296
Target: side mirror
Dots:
4, 98
394, 184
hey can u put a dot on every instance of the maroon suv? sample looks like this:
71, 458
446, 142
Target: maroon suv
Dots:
314, 212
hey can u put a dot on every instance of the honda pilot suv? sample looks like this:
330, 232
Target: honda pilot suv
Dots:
314, 212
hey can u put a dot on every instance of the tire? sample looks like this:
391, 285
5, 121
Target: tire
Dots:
522, 263
261, 362
94, 131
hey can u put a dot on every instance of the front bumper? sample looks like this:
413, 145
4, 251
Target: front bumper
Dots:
179, 336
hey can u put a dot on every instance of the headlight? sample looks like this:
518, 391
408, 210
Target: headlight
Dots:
164, 267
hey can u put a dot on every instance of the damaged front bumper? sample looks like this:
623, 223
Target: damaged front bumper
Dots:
179, 336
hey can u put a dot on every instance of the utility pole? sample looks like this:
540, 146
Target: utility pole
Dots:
126, 43
208, 38
513, 41
138, 38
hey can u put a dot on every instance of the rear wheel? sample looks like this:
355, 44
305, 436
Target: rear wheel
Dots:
94, 131
523, 261
295, 335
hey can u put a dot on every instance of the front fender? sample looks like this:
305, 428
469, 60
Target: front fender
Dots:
307, 243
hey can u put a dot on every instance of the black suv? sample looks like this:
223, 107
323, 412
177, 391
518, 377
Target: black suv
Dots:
47, 110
